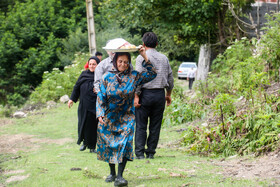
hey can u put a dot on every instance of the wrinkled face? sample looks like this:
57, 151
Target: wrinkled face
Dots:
92, 65
122, 63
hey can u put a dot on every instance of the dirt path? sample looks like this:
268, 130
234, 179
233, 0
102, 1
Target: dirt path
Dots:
261, 168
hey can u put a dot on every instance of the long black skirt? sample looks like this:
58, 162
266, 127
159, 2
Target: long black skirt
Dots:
89, 131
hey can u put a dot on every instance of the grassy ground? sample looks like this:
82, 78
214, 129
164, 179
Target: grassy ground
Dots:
47, 157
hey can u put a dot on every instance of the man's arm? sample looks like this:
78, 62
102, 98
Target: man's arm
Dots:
98, 73
170, 81
168, 97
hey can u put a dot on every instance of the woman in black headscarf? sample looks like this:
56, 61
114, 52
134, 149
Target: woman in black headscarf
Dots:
87, 122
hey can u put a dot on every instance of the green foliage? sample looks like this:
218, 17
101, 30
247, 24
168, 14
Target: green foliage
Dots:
136, 18
253, 135
182, 109
58, 83
249, 124
269, 46
76, 42
182, 26
37, 36
7, 111
32, 34
224, 105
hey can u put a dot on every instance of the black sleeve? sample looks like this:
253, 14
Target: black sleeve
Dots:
76, 91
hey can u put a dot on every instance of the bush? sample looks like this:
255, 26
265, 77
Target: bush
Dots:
181, 110
245, 117
7, 111
58, 83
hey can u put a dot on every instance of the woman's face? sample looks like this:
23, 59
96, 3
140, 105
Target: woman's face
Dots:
122, 63
92, 65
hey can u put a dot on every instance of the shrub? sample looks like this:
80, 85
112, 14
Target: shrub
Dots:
251, 123
181, 110
58, 83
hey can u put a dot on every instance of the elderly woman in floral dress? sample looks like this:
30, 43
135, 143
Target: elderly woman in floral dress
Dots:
116, 113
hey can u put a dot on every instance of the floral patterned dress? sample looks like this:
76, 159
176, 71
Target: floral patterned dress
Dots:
116, 103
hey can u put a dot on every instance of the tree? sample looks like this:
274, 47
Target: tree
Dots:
188, 23
31, 37
183, 26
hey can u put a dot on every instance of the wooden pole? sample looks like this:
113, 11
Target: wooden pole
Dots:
91, 30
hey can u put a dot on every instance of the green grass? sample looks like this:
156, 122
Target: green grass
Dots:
49, 163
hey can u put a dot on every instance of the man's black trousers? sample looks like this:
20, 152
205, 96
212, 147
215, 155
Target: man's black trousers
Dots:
191, 80
152, 107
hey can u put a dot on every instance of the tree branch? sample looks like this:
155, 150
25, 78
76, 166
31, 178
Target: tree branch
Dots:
231, 8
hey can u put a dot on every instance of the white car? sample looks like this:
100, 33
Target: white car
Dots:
184, 68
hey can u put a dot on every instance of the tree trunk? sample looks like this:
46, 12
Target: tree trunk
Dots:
203, 62
221, 31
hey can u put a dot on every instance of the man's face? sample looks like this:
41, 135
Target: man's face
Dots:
100, 57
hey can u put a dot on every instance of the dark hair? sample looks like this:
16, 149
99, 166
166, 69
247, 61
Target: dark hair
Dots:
121, 54
98, 53
94, 58
150, 39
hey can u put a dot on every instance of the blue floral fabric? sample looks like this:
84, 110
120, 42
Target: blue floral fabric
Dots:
116, 103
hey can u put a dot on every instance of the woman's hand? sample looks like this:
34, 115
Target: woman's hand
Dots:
101, 120
142, 52
94, 91
70, 103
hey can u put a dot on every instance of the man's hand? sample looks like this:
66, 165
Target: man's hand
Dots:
101, 120
136, 101
168, 100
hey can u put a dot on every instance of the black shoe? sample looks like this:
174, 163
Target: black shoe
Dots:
92, 151
150, 156
83, 147
120, 182
110, 178
140, 157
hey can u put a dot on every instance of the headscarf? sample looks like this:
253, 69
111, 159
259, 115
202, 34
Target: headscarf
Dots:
115, 70
86, 75
93, 57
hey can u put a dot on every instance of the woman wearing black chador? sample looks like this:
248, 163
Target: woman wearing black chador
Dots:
87, 122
